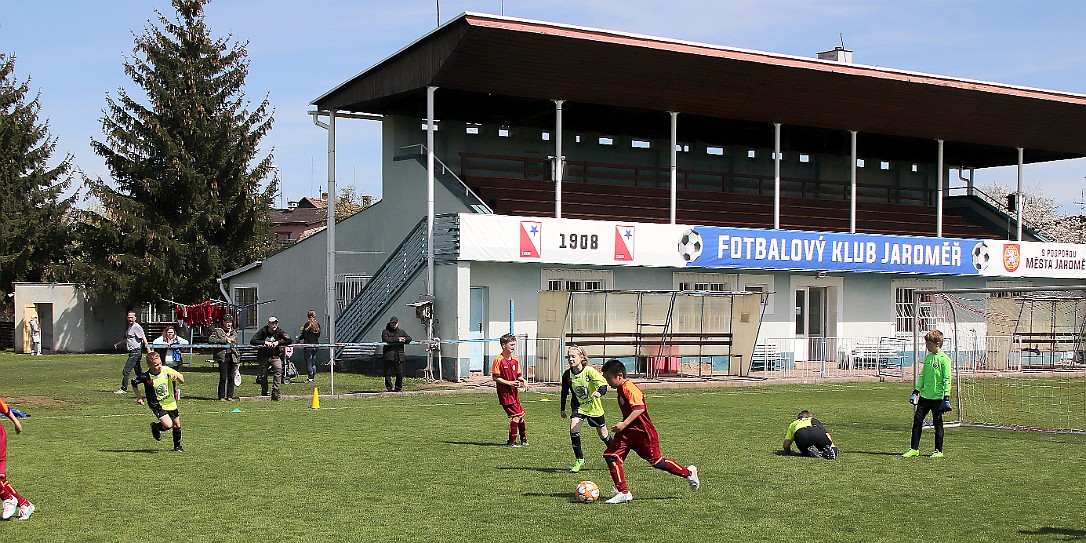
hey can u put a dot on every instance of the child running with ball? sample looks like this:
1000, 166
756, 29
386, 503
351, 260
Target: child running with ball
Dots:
636, 432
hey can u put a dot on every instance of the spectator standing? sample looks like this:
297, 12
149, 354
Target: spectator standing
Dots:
270, 339
35, 335
135, 342
168, 347
228, 358
394, 339
310, 334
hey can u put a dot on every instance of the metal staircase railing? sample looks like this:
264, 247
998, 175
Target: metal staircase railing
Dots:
406, 262
999, 208
455, 185
391, 278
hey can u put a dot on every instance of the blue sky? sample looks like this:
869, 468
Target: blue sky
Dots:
73, 52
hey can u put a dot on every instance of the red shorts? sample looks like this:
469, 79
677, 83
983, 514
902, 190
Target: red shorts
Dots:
645, 444
513, 409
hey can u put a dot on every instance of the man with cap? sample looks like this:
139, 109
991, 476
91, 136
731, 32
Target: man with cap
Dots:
394, 339
270, 339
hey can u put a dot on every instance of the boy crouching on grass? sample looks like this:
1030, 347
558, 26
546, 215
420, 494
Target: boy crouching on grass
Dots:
159, 382
506, 374
636, 432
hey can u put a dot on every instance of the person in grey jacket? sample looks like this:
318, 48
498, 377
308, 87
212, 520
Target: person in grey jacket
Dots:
135, 343
394, 339
228, 358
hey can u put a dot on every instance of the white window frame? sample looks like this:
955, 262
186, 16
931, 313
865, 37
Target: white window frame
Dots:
897, 318
573, 279
703, 282
252, 319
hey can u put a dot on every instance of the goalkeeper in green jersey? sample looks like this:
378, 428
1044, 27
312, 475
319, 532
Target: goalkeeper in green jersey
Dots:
932, 394
588, 386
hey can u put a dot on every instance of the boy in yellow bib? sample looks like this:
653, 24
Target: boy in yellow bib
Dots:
588, 386
160, 384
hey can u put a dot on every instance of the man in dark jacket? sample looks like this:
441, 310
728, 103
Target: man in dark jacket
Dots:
394, 339
271, 339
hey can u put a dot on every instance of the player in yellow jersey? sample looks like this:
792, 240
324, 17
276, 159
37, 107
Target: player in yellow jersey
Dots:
588, 386
160, 384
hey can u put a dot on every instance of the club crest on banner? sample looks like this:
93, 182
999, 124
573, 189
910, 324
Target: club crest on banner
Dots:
530, 235
1012, 256
624, 243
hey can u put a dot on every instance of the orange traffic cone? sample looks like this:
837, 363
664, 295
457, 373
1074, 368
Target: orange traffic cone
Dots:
316, 400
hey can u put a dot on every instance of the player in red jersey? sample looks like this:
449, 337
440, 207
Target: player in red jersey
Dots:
506, 374
636, 432
12, 499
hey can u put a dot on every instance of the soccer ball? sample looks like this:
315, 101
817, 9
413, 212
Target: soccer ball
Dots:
980, 256
690, 245
587, 492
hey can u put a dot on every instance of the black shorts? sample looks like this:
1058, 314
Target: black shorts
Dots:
595, 422
160, 412
811, 435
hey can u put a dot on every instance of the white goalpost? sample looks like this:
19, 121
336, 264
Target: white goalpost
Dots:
1018, 354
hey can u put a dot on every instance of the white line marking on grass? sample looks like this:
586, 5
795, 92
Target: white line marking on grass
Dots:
229, 412
719, 391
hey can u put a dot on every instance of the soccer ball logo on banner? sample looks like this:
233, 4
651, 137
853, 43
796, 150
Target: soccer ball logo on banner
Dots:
690, 245
980, 256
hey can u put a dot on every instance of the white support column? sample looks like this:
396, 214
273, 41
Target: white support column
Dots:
1018, 196
852, 177
430, 190
674, 161
330, 280
430, 223
559, 162
939, 194
777, 176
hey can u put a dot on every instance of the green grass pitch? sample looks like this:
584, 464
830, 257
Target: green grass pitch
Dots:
430, 468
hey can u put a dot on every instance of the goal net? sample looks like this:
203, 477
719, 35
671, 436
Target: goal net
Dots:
1017, 352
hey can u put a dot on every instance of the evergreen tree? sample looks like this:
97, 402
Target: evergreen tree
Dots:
34, 240
185, 204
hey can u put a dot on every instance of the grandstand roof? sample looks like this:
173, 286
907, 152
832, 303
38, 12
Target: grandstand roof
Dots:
507, 70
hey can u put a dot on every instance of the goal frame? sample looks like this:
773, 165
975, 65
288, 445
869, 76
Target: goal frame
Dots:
917, 355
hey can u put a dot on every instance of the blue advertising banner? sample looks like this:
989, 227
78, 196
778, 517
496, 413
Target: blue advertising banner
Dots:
751, 248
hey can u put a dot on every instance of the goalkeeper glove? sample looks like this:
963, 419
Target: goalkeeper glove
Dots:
945, 408
915, 397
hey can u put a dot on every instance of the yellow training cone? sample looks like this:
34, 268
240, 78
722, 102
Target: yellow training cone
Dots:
316, 400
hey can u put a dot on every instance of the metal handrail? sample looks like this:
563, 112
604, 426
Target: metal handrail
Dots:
395, 274
997, 205
485, 209
391, 278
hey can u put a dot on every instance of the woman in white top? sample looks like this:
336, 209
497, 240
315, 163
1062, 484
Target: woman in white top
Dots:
168, 346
